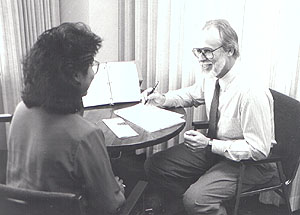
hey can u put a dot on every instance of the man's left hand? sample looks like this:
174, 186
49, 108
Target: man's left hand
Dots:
195, 140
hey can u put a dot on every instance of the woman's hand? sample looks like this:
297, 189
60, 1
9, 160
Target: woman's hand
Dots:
120, 182
195, 140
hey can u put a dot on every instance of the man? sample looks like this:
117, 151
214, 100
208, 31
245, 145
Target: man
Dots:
204, 169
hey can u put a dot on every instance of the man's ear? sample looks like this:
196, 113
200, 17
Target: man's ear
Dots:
230, 52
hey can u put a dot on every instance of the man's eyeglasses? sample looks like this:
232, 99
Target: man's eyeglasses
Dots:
206, 52
95, 66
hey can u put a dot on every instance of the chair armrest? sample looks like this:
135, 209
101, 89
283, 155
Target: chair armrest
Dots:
200, 124
272, 159
133, 198
5, 117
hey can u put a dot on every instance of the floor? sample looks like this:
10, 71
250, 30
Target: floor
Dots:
130, 168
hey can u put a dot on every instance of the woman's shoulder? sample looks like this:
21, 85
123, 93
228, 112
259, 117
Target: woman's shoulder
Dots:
81, 126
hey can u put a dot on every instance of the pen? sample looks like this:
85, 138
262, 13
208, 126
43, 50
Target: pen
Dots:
152, 91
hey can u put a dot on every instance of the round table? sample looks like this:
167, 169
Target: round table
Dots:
143, 140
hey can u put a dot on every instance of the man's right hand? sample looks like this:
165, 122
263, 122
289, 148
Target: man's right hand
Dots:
154, 98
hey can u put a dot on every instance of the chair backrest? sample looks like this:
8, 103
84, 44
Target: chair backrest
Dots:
16, 201
4, 118
287, 132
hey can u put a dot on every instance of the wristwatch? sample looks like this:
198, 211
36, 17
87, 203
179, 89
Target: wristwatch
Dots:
209, 145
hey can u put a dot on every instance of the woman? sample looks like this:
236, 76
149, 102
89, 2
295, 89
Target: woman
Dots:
51, 146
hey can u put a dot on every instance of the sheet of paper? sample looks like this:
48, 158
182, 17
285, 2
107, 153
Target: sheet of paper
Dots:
99, 90
124, 81
150, 118
119, 127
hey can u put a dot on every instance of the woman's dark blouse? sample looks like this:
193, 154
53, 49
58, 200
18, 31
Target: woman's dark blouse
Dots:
63, 153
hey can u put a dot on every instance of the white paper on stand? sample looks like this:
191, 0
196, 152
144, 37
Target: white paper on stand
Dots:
115, 82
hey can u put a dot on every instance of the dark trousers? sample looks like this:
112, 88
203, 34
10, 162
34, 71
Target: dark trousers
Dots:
202, 179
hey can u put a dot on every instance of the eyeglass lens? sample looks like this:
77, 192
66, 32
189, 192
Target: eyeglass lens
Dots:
204, 53
95, 66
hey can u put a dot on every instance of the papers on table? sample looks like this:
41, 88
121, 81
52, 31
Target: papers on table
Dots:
150, 118
119, 127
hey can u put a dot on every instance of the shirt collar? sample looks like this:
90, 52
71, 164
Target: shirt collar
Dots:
227, 79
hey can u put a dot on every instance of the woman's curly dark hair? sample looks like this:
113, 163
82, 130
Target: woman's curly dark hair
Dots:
49, 67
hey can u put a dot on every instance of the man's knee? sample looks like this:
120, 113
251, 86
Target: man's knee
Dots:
190, 198
197, 200
164, 162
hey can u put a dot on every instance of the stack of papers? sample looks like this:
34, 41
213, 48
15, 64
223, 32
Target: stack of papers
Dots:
119, 127
150, 118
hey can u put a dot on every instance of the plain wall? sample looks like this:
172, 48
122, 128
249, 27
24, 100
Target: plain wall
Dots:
101, 16
74, 11
104, 22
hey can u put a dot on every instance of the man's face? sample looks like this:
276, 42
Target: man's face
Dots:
216, 59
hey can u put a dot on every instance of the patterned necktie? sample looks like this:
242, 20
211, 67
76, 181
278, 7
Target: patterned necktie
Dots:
213, 114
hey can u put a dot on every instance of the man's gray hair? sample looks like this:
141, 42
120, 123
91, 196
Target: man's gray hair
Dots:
228, 35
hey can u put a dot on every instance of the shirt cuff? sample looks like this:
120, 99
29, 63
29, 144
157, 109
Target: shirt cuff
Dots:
168, 102
219, 146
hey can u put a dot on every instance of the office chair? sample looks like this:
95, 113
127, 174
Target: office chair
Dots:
285, 153
17, 201
4, 118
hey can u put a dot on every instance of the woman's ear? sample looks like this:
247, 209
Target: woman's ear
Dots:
77, 77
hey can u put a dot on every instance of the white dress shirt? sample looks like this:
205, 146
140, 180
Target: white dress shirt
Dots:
246, 117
